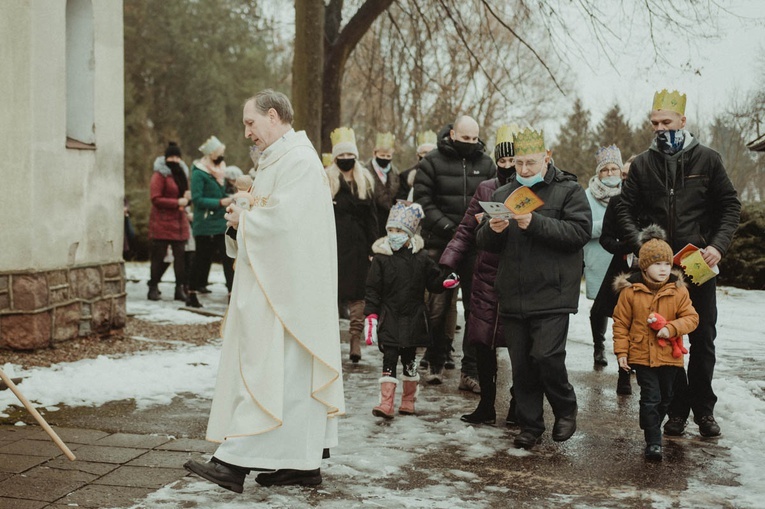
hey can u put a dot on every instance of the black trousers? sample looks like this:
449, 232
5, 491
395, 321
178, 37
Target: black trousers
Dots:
207, 246
391, 355
157, 253
694, 390
656, 387
538, 357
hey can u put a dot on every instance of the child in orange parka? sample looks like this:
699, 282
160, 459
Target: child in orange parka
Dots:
655, 289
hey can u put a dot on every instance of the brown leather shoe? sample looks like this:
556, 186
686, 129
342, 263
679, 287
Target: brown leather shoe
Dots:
287, 476
219, 474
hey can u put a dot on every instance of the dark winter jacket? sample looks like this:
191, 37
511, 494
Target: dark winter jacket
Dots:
167, 220
356, 227
483, 325
405, 182
688, 194
385, 195
444, 184
395, 287
540, 269
206, 195
612, 241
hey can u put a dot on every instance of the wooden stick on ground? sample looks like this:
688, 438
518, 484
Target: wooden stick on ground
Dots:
39, 418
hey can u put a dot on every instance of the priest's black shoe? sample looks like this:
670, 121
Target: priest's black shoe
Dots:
287, 476
221, 475
653, 452
526, 440
563, 428
480, 417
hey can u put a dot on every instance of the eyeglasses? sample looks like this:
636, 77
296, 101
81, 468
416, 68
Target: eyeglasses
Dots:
612, 171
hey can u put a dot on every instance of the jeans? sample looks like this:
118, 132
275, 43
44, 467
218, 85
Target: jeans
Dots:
656, 386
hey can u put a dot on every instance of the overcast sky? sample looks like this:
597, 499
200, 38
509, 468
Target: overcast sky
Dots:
710, 71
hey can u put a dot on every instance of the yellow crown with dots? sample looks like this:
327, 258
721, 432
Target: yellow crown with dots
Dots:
342, 135
384, 141
427, 137
506, 133
528, 142
672, 101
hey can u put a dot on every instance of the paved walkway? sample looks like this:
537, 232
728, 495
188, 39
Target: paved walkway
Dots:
112, 469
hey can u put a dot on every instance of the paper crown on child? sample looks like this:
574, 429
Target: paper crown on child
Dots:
608, 155
672, 101
405, 215
384, 141
426, 138
528, 142
326, 159
505, 139
211, 145
343, 142
654, 247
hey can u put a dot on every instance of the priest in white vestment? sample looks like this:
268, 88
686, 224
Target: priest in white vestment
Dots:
279, 389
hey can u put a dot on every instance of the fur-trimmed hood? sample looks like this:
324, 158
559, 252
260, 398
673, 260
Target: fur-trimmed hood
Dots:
161, 167
625, 280
382, 247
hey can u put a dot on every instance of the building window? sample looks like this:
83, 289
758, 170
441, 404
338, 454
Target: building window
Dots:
80, 73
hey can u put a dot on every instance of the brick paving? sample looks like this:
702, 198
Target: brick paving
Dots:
112, 470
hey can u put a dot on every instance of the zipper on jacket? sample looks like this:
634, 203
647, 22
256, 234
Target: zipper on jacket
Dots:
464, 184
496, 326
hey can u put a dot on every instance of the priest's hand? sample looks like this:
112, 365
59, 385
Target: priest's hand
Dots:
232, 216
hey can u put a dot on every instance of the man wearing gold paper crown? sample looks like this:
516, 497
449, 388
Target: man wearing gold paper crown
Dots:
445, 181
683, 187
540, 271
426, 141
386, 179
279, 387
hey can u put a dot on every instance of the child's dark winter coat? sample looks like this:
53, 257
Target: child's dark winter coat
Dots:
396, 286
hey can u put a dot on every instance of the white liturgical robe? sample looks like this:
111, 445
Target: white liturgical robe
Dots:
279, 387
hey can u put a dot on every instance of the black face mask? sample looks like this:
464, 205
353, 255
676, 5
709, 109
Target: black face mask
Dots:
346, 164
465, 149
504, 173
173, 166
217, 160
382, 163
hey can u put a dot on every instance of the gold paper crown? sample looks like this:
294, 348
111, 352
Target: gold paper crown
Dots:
506, 133
342, 134
428, 137
326, 159
385, 141
528, 142
672, 101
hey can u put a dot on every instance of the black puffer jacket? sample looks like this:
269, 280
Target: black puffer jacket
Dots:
689, 195
540, 269
356, 231
396, 284
444, 184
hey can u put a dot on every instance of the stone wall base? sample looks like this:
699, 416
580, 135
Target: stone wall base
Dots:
40, 308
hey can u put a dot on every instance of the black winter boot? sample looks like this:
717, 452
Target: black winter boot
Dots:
192, 301
153, 293
180, 293
486, 360
598, 326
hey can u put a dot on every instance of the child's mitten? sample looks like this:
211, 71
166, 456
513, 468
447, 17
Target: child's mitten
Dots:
451, 281
370, 329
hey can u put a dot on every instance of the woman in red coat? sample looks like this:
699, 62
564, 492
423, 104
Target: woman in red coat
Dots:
168, 224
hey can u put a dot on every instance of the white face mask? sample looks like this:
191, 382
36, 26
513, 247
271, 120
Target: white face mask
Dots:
397, 240
612, 180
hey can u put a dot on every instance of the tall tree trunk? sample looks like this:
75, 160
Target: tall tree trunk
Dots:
307, 68
338, 46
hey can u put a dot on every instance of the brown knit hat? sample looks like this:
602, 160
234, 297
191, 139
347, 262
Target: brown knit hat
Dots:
654, 247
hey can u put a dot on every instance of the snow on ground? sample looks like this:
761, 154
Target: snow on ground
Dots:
379, 450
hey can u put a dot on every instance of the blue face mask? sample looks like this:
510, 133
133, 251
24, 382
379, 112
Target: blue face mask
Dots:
612, 180
397, 240
670, 142
529, 181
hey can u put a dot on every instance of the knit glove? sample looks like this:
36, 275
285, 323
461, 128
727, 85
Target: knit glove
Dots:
451, 281
370, 329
